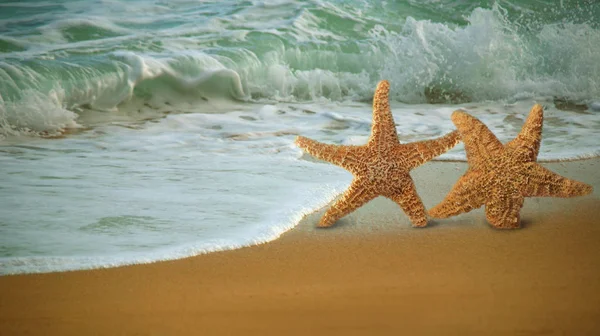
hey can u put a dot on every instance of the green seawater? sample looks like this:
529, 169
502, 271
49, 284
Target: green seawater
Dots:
74, 55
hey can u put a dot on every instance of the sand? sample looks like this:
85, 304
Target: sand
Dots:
371, 274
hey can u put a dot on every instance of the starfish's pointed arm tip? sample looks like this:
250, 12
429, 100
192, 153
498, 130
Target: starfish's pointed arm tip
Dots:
536, 114
459, 115
462, 119
454, 136
383, 84
447, 141
304, 143
381, 94
300, 140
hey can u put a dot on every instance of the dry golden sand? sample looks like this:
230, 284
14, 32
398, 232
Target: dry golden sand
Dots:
371, 274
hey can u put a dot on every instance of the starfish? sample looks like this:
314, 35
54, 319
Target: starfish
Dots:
501, 176
381, 167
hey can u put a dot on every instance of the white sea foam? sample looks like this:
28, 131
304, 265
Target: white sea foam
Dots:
130, 192
190, 189
286, 52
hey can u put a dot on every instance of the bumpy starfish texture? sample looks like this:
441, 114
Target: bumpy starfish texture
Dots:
381, 167
501, 176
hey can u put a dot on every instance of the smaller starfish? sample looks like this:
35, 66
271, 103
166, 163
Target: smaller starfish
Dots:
501, 176
381, 167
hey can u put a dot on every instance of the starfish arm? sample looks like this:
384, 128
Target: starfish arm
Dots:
545, 183
466, 195
417, 153
356, 196
481, 144
410, 202
526, 145
343, 156
502, 209
383, 129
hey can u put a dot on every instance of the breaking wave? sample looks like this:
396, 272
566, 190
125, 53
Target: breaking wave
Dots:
105, 67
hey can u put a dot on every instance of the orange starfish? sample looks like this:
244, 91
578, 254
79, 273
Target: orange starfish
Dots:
501, 176
381, 167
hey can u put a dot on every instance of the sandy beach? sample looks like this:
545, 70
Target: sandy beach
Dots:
371, 274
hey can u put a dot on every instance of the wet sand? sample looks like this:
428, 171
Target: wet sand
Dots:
371, 274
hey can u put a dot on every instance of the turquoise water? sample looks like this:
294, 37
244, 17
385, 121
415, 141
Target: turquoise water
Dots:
135, 131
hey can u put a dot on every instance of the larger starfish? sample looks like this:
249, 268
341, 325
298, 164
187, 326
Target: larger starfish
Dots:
381, 167
501, 176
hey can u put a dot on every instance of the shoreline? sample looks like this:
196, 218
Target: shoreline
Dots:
370, 274
428, 171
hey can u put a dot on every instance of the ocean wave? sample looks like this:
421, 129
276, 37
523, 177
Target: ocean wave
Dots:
81, 29
315, 55
44, 97
492, 59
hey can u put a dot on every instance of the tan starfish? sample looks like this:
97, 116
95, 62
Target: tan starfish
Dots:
381, 167
501, 176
